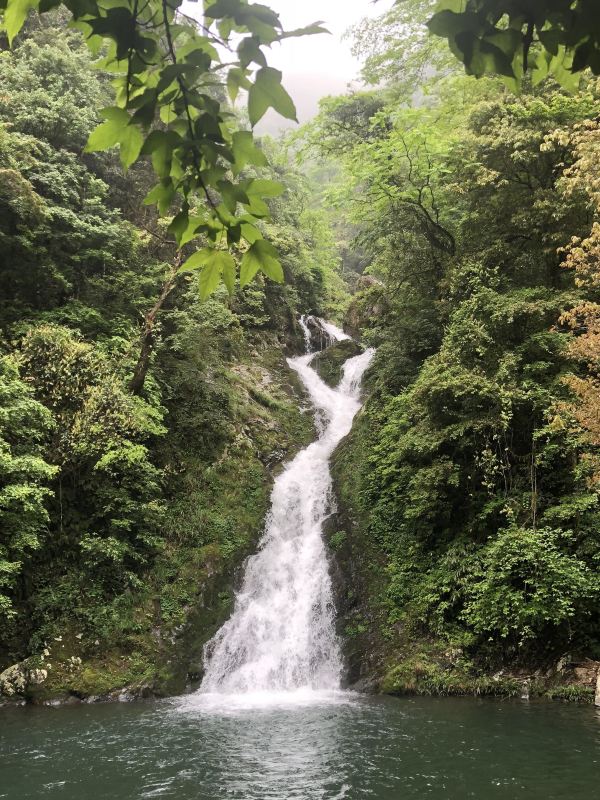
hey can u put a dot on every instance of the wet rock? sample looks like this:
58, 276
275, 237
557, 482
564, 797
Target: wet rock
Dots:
564, 663
12, 702
319, 337
62, 700
329, 364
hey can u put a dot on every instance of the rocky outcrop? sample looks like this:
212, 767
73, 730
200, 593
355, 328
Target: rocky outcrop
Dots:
329, 364
368, 304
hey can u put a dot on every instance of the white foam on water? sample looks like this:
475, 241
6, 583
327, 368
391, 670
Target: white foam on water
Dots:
337, 334
218, 704
280, 645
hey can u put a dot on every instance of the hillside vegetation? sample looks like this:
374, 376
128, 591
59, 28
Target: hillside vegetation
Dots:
469, 485
453, 223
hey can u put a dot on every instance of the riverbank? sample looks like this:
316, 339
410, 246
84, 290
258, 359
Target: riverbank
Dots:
391, 653
380, 658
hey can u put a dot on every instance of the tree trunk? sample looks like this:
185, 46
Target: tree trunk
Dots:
136, 384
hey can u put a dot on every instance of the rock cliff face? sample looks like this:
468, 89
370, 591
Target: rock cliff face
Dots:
359, 620
368, 304
319, 336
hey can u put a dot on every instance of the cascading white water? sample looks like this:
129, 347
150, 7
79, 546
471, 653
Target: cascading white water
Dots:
325, 332
281, 636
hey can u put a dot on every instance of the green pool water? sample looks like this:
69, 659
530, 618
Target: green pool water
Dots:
382, 749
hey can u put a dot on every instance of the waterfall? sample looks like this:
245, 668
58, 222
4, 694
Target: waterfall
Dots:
281, 636
326, 333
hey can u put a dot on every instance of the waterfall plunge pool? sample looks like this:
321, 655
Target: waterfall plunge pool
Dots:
333, 747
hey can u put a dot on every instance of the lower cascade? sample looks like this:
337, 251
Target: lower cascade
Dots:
281, 636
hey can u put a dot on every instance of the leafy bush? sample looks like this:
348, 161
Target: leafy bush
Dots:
527, 582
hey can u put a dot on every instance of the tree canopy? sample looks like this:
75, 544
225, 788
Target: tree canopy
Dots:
513, 37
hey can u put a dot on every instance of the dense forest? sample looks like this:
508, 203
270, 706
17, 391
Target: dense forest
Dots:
449, 222
470, 483
120, 510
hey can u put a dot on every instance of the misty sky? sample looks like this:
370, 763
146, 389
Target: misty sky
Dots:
314, 66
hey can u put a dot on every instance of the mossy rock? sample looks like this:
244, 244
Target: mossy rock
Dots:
329, 363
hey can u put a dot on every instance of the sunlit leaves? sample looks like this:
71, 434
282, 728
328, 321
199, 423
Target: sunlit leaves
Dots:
246, 151
131, 144
108, 133
214, 266
267, 92
161, 195
16, 14
262, 256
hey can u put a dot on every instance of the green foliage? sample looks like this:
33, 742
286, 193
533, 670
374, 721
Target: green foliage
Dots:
527, 583
123, 514
397, 48
170, 81
572, 693
509, 37
106, 475
337, 539
463, 475
25, 479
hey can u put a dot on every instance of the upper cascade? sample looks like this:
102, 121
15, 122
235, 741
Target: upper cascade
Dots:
281, 636
319, 334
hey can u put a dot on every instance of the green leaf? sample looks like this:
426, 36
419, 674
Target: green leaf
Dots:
179, 225
222, 8
232, 194
229, 276
131, 145
191, 230
161, 195
264, 188
245, 151
236, 79
250, 232
309, 30
16, 14
267, 92
159, 146
196, 260
215, 266
249, 51
457, 6
261, 256
108, 133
